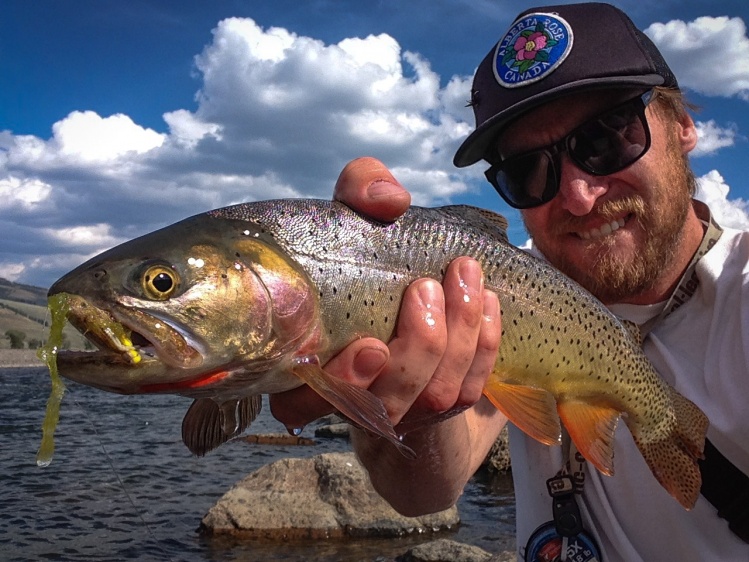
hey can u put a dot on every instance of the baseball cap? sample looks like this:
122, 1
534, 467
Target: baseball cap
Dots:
553, 51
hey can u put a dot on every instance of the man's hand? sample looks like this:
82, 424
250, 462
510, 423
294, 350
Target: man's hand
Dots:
447, 335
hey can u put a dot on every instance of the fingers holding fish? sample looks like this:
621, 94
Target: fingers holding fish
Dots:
472, 342
463, 285
416, 350
485, 356
367, 186
445, 346
443, 349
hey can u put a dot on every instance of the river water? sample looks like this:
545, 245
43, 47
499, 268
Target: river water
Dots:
122, 486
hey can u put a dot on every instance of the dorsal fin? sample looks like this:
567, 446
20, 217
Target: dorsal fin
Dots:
484, 219
207, 425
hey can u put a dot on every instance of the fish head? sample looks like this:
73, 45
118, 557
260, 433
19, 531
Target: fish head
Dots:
186, 309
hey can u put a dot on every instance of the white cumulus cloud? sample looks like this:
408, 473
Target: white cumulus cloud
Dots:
711, 137
713, 190
709, 55
26, 193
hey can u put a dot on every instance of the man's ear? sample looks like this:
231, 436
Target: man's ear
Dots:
686, 133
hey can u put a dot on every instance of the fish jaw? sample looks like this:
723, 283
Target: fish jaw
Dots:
132, 347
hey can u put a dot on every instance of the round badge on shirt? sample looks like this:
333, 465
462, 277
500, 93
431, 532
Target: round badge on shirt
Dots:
546, 545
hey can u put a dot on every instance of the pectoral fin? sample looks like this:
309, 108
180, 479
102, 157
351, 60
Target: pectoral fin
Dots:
207, 425
357, 404
591, 428
533, 410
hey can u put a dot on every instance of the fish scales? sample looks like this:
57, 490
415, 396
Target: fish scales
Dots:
253, 298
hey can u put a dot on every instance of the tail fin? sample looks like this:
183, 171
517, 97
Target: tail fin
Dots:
673, 460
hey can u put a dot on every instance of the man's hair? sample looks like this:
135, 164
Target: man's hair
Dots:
673, 102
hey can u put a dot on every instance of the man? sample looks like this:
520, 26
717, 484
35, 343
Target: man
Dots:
586, 131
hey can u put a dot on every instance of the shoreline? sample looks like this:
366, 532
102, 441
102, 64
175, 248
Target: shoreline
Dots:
16, 358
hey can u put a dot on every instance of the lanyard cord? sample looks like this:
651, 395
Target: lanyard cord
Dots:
689, 281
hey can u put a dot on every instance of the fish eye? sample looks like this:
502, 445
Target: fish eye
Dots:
159, 282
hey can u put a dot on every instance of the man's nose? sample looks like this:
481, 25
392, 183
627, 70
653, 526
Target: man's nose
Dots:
579, 190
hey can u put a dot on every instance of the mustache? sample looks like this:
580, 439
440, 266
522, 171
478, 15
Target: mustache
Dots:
607, 210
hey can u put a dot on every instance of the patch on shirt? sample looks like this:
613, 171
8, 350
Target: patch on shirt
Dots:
545, 545
532, 49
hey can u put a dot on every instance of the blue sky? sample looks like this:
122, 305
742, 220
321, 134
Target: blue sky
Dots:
117, 118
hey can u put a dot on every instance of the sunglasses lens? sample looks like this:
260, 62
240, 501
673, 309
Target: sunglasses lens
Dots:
524, 181
612, 142
601, 146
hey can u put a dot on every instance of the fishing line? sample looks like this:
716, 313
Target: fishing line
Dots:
117, 476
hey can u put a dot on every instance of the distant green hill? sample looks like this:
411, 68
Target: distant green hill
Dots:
24, 308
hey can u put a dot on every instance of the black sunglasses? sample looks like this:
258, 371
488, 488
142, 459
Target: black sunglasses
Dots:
601, 146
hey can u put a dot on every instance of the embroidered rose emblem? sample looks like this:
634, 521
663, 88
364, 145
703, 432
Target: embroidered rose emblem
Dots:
531, 46
526, 48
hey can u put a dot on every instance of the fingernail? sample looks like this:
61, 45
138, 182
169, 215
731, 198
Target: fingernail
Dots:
471, 279
382, 189
369, 361
432, 301
491, 306
430, 294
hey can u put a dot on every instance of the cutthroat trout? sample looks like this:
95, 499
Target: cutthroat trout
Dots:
253, 299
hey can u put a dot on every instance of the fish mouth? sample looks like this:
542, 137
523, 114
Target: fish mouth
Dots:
126, 337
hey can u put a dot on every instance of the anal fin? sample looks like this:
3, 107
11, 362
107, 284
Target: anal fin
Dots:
591, 428
532, 410
207, 425
358, 404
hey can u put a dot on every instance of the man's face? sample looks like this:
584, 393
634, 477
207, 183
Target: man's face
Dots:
613, 234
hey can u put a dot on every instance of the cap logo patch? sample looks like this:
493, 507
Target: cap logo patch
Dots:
532, 49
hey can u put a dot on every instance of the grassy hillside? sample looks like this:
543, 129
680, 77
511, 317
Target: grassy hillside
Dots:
23, 308
22, 293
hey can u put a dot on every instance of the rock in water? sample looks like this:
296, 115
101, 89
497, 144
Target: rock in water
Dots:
327, 496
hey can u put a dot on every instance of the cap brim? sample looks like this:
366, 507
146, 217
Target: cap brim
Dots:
474, 148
